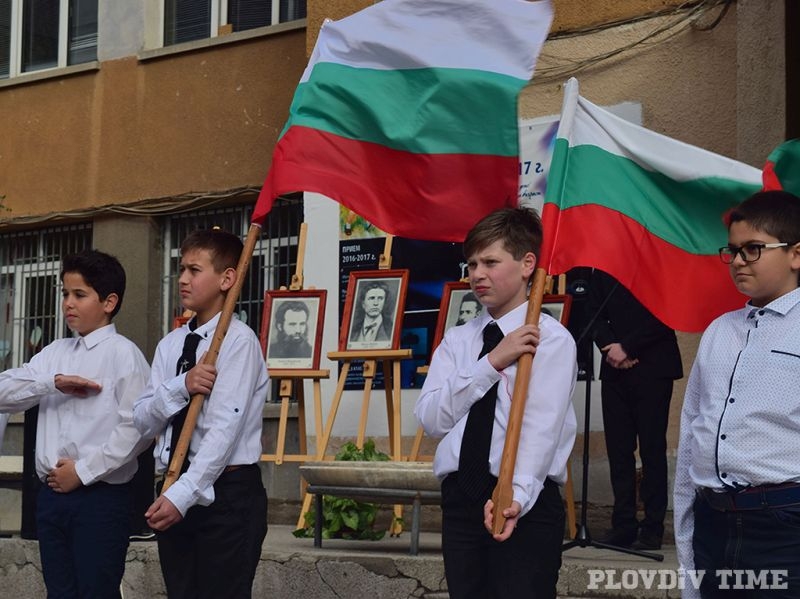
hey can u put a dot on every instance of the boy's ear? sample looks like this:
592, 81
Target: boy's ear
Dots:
529, 263
795, 252
228, 279
110, 303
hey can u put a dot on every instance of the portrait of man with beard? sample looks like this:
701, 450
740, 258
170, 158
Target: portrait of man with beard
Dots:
291, 331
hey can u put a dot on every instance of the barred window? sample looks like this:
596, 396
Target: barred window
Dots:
30, 288
274, 256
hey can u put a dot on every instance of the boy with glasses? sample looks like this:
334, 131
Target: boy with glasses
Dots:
737, 482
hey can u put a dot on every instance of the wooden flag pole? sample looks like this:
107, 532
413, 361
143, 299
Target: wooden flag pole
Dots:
503, 493
297, 277
179, 453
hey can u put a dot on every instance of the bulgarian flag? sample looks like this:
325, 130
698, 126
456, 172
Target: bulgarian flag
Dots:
646, 209
407, 114
780, 171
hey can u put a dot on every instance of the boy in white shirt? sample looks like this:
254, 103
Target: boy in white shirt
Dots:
86, 443
468, 386
211, 522
737, 478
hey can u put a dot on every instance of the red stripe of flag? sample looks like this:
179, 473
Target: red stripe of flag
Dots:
420, 196
685, 291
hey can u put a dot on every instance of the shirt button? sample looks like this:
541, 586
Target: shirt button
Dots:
723, 437
731, 400
724, 475
761, 312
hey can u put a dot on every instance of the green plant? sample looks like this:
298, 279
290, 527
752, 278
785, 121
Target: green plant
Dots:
349, 452
344, 518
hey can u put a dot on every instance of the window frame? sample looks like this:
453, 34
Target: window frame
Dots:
24, 278
15, 67
217, 23
273, 262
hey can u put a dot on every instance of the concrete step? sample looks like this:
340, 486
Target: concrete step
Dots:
355, 569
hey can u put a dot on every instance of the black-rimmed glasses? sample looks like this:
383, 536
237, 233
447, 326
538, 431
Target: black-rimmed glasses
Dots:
749, 252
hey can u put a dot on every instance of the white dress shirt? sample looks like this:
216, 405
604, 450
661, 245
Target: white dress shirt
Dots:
740, 424
96, 431
457, 379
228, 430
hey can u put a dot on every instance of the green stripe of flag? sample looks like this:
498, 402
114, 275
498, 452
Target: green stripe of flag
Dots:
407, 110
686, 214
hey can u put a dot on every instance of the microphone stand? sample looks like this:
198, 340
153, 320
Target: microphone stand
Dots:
583, 537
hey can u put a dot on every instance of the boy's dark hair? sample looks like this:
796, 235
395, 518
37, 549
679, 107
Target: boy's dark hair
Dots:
225, 248
101, 271
520, 230
776, 213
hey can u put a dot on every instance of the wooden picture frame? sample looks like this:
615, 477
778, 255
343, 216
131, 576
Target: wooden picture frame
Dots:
456, 293
377, 295
303, 314
557, 306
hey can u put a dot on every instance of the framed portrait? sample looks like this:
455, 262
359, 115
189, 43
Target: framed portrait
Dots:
557, 306
373, 310
459, 305
291, 328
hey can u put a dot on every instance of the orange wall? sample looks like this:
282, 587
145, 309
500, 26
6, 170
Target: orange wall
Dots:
204, 120
569, 14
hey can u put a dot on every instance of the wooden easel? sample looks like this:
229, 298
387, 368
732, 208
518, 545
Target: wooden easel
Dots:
390, 363
569, 492
292, 382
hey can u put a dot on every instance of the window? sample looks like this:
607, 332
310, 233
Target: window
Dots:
30, 289
46, 34
274, 256
5, 38
187, 20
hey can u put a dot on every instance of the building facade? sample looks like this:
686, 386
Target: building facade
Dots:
125, 124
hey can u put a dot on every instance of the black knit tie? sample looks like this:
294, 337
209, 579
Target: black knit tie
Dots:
185, 363
474, 477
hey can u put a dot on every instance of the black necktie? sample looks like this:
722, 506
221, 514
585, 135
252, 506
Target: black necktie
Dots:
474, 477
185, 363
368, 329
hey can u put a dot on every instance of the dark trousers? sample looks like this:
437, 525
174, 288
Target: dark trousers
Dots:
637, 409
525, 566
83, 540
735, 547
214, 551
